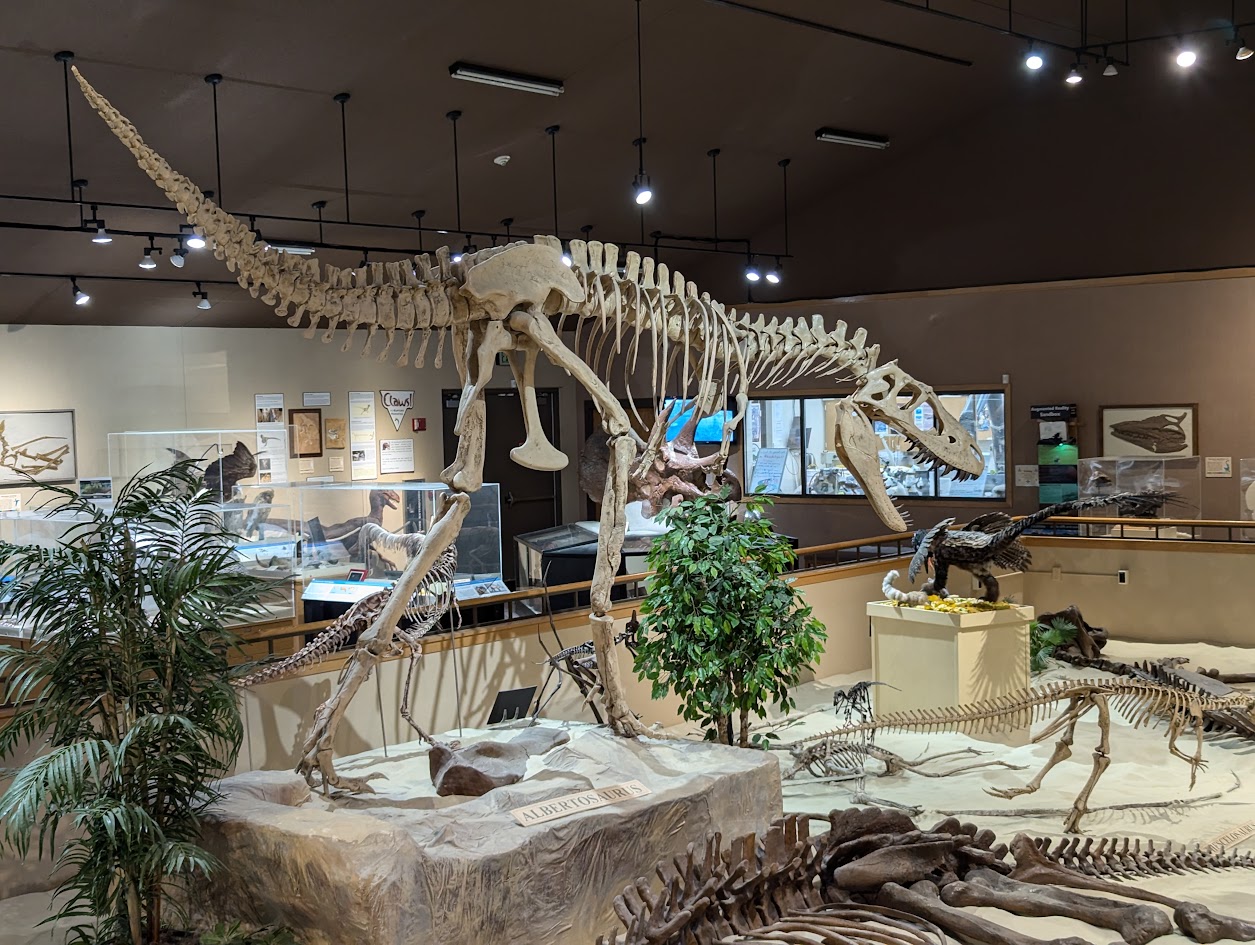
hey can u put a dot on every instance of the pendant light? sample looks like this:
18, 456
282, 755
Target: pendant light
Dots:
201, 294
80, 297
642, 190
552, 131
774, 272
467, 245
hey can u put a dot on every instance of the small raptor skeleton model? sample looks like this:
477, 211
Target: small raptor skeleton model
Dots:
1139, 700
640, 321
993, 540
873, 876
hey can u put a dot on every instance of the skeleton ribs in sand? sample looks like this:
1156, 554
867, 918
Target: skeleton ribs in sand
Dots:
505, 300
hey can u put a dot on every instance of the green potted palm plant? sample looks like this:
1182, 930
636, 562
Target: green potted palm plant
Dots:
722, 626
124, 689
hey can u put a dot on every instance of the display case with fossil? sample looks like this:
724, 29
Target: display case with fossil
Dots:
330, 518
1180, 478
229, 458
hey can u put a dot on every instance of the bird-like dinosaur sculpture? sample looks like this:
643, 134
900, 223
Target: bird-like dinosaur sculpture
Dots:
636, 321
993, 540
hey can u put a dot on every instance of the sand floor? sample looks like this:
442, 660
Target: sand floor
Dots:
1141, 771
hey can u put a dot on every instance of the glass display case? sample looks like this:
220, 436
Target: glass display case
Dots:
229, 458
330, 517
790, 449
1181, 477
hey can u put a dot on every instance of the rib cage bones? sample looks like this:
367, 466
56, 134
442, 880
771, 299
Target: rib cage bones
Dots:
696, 344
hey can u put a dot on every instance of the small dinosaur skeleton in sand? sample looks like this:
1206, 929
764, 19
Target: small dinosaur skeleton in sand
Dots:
502, 300
580, 663
1135, 699
872, 876
993, 540
835, 758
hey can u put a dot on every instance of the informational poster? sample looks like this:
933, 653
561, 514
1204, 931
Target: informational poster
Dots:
1218, 467
396, 456
398, 404
1027, 477
316, 399
272, 439
769, 468
336, 464
362, 459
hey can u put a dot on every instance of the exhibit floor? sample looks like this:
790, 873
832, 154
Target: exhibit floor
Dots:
1141, 771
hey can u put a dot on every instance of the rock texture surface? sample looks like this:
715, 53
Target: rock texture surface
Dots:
406, 866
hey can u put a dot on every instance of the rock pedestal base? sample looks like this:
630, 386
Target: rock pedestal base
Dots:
404, 866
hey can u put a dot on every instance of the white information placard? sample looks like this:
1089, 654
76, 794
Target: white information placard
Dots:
362, 459
396, 456
272, 439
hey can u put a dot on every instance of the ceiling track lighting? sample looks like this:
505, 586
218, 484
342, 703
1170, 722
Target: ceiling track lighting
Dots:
642, 189
80, 297
519, 81
751, 270
1034, 59
1185, 56
1074, 77
178, 257
1244, 51
200, 293
772, 274
147, 261
194, 240
102, 235
855, 138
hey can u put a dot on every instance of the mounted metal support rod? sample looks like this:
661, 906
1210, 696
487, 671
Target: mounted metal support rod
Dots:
215, 79
65, 57
342, 98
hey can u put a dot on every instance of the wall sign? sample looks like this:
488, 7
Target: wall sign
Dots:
362, 459
272, 439
398, 404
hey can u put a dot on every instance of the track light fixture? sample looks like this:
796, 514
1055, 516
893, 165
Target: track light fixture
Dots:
772, 274
147, 261
751, 270
194, 239
80, 297
486, 75
201, 294
178, 256
1244, 51
1034, 59
1074, 77
467, 248
1186, 57
102, 235
642, 189
1110, 68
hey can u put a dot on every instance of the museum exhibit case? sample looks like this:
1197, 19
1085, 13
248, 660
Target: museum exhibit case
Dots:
791, 449
1180, 477
228, 457
337, 567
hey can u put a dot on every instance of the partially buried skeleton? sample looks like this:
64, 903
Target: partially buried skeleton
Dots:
504, 300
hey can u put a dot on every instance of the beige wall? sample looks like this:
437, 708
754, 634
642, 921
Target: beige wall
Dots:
1088, 344
121, 379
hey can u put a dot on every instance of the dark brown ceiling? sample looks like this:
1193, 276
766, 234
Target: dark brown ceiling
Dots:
755, 87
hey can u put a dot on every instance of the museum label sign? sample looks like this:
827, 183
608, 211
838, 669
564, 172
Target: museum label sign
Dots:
570, 804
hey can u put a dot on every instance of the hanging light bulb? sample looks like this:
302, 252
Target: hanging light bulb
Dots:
751, 271
1110, 69
147, 261
642, 192
1074, 77
773, 272
566, 256
1244, 51
102, 235
178, 257
80, 297
1186, 57
1033, 60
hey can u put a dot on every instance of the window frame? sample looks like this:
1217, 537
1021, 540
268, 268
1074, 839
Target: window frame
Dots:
801, 396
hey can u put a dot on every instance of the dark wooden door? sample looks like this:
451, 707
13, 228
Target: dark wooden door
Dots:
530, 499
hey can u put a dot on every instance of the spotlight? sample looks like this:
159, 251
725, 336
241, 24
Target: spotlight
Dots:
178, 258
147, 262
102, 235
751, 272
1033, 60
204, 303
1244, 51
194, 240
1186, 58
456, 257
1074, 77
1110, 69
641, 190
80, 297
773, 273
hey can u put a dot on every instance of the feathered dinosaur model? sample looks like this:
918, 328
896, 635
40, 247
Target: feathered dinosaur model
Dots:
993, 540
638, 321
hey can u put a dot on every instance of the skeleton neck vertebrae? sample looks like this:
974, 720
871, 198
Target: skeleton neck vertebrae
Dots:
505, 300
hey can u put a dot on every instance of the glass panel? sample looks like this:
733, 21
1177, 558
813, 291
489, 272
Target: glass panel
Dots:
826, 475
773, 446
982, 415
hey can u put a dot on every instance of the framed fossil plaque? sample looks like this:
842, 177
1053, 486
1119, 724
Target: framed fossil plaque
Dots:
335, 435
306, 439
1148, 430
39, 444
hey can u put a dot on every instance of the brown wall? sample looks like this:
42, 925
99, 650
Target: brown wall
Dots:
1103, 342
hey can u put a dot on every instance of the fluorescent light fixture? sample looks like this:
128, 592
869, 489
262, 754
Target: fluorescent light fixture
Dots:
486, 75
855, 138
292, 250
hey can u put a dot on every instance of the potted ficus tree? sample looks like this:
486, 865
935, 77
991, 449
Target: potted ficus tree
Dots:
722, 626
124, 688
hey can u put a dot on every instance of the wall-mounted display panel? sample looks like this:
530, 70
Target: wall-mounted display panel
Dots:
37, 444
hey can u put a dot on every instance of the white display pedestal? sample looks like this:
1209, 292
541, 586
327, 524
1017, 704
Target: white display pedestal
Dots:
938, 659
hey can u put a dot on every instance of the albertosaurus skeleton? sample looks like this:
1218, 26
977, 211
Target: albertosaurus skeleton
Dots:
500, 300
1138, 700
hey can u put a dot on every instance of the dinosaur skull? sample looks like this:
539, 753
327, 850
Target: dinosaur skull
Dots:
859, 448
890, 395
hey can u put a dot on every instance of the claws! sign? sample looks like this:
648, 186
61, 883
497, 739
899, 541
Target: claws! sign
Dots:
398, 404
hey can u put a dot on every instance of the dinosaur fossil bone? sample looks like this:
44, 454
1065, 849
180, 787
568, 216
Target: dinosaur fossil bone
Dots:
500, 300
